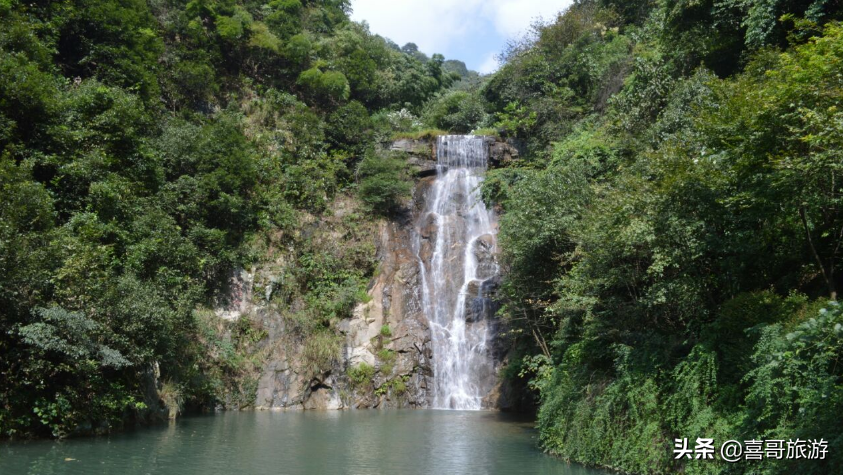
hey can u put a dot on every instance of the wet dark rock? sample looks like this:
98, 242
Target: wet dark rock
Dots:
484, 252
502, 152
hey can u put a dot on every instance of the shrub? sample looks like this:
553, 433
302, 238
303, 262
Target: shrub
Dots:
330, 86
383, 182
457, 111
298, 49
361, 374
320, 350
172, 396
387, 358
350, 128
397, 385
419, 134
402, 120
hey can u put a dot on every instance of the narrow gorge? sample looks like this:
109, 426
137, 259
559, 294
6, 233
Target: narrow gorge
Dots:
362, 237
425, 336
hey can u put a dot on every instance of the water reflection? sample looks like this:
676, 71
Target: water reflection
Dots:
352, 442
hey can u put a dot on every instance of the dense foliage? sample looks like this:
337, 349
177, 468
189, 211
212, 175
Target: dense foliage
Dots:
384, 183
149, 148
672, 237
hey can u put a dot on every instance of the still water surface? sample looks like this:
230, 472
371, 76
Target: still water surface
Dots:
341, 442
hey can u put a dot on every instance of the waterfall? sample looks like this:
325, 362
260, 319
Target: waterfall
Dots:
456, 249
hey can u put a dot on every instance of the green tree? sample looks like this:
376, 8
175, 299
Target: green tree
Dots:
383, 182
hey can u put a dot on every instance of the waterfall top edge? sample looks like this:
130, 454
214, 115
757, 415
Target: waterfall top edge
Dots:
462, 151
463, 136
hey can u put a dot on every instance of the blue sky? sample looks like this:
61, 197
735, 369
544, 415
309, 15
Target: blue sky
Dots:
473, 31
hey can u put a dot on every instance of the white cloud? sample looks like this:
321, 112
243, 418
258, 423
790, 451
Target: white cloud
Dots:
431, 24
490, 65
437, 26
513, 17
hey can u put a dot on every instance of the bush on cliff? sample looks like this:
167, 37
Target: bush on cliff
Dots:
384, 182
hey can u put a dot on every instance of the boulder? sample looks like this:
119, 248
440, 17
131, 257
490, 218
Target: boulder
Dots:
484, 253
420, 155
502, 152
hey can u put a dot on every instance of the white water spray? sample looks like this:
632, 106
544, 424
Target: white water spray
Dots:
456, 249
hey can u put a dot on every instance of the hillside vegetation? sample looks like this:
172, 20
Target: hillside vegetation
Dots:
147, 149
672, 238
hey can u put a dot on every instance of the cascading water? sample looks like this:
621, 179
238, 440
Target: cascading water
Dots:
456, 249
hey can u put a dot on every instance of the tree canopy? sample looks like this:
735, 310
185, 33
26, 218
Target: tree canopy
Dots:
671, 237
146, 150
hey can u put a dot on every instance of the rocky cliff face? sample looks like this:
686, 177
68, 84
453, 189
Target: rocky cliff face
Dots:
386, 341
395, 304
421, 153
385, 357
398, 355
